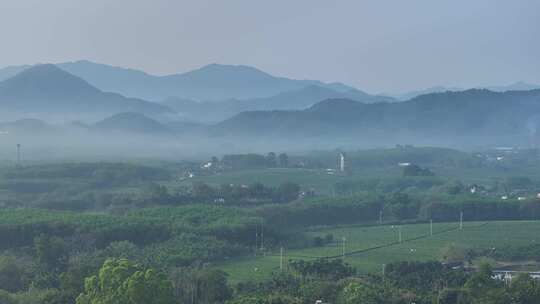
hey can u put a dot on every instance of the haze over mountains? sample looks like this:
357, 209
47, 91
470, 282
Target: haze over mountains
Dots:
214, 82
300, 113
472, 117
464, 119
224, 90
517, 86
289, 100
47, 89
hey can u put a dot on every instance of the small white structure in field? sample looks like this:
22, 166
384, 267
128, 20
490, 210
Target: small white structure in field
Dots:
521, 198
404, 164
504, 197
342, 162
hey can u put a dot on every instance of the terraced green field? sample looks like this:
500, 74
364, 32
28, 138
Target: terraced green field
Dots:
362, 245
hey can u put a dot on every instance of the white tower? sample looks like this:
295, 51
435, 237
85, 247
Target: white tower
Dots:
342, 162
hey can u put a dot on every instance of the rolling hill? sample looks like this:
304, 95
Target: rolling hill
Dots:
517, 86
28, 125
130, 122
291, 100
480, 116
48, 89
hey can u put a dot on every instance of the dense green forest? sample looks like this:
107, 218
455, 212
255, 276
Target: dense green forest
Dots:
160, 232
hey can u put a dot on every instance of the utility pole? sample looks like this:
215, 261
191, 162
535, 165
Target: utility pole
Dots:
256, 239
18, 155
431, 227
461, 220
192, 292
400, 234
262, 234
380, 217
343, 247
383, 270
281, 259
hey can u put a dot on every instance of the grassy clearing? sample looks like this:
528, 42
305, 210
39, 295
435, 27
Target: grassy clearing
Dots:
324, 183
308, 178
417, 245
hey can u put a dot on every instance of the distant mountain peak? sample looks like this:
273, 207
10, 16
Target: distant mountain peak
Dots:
44, 69
46, 81
230, 72
131, 122
220, 66
49, 89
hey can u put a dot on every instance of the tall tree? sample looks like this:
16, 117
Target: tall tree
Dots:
121, 282
283, 160
271, 160
212, 287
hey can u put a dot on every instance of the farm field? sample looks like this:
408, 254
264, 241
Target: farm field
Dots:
323, 183
307, 178
417, 245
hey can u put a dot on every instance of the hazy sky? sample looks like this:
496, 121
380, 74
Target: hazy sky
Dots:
376, 45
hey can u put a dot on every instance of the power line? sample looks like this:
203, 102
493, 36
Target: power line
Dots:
360, 251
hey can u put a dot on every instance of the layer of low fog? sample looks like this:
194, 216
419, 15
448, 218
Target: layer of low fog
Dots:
118, 146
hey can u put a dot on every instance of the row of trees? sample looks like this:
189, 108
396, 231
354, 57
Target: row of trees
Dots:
120, 281
403, 282
51, 253
97, 174
230, 194
394, 207
252, 161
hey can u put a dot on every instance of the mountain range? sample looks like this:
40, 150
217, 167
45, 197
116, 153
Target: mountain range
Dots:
517, 86
69, 87
213, 82
127, 122
302, 111
290, 100
474, 116
47, 89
